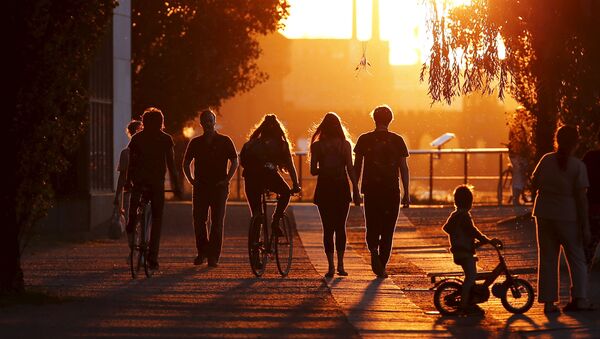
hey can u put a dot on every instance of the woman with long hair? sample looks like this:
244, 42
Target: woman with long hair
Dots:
560, 212
267, 152
331, 161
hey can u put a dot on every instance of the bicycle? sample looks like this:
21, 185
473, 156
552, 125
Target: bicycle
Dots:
516, 295
262, 246
140, 248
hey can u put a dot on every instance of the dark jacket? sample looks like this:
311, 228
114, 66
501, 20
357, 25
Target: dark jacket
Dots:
462, 234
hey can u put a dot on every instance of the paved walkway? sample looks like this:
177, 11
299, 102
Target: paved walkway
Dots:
84, 289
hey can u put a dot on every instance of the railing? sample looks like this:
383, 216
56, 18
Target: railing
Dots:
470, 171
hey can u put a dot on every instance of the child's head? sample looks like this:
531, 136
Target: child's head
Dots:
463, 197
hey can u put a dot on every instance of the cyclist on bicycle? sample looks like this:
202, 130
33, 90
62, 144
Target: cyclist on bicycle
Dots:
462, 234
265, 154
150, 153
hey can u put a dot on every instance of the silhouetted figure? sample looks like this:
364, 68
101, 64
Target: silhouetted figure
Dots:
592, 163
121, 196
211, 153
331, 161
384, 154
561, 217
150, 153
265, 153
462, 234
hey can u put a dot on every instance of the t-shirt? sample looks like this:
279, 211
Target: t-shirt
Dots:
331, 156
210, 157
382, 152
462, 234
123, 160
556, 188
592, 163
148, 155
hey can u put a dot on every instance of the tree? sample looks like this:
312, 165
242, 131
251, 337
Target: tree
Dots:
51, 47
192, 54
550, 67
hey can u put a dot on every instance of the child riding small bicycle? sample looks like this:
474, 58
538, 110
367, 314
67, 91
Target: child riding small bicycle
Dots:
462, 234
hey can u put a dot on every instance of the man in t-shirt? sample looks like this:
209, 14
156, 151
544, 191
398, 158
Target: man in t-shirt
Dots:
150, 154
211, 153
384, 155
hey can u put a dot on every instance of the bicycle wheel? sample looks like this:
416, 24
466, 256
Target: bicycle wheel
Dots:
136, 251
447, 297
284, 247
518, 297
257, 245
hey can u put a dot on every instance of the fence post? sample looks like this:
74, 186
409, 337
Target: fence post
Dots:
300, 174
431, 178
466, 171
500, 183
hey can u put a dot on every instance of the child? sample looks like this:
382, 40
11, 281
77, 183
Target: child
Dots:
462, 234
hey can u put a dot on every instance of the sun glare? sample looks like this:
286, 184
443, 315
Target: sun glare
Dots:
402, 23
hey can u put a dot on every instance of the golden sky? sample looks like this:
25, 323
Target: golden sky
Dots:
402, 23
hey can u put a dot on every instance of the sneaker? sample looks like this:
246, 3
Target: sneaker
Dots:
212, 263
376, 264
199, 260
275, 228
551, 308
382, 275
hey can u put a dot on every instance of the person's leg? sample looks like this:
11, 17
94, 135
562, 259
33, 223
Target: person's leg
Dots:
571, 239
328, 228
200, 205
157, 199
470, 269
253, 187
341, 214
373, 229
218, 205
390, 211
275, 183
548, 254
134, 202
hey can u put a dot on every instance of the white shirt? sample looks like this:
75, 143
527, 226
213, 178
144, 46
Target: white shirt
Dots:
557, 188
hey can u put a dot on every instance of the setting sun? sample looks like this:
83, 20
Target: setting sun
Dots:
402, 23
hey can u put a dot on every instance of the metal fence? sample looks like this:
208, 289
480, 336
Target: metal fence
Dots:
434, 174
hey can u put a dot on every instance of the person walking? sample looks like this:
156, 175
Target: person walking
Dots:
561, 217
211, 154
121, 200
150, 154
331, 162
385, 159
266, 153
592, 163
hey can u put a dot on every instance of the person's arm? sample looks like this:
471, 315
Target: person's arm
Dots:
405, 175
233, 165
187, 161
350, 170
292, 171
170, 158
358, 164
121, 179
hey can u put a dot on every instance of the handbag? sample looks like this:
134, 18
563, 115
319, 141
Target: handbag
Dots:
117, 223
